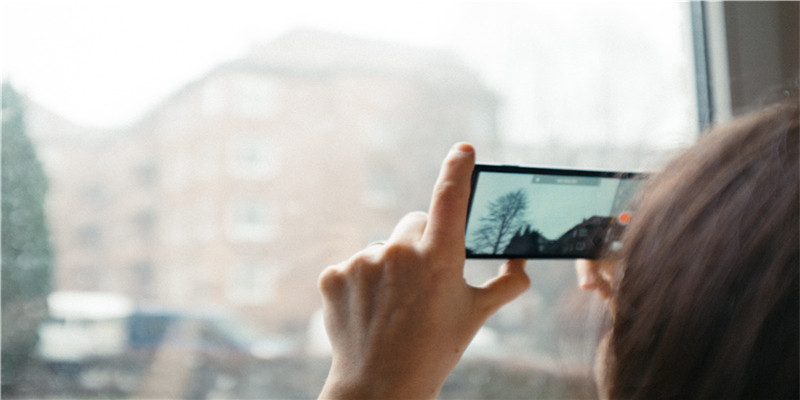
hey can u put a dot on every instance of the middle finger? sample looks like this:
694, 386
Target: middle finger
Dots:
410, 228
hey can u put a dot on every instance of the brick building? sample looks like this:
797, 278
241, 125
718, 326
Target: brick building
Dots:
240, 187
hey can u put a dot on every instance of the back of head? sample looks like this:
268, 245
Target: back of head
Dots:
706, 301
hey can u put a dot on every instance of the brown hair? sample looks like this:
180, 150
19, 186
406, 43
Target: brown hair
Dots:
706, 300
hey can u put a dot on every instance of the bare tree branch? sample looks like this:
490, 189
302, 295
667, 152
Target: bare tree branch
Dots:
505, 218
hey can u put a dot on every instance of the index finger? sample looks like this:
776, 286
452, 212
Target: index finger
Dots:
450, 200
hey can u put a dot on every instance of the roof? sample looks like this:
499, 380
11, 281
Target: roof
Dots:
307, 51
320, 51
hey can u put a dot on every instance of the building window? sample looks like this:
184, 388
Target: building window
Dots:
255, 96
144, 223
252, 158
146, 173
251, 221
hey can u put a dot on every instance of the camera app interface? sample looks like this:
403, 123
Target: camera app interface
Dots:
538, 215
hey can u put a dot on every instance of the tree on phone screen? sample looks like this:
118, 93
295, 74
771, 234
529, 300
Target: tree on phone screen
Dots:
505, 218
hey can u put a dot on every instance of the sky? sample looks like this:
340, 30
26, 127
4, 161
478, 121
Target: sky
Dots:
123, 56
104, 63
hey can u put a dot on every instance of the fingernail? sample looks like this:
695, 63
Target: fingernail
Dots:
464, 147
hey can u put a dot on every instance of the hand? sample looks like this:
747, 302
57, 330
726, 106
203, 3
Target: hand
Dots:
399, 314
595, 275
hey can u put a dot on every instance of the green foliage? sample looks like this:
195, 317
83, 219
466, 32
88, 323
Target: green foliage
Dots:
26, 254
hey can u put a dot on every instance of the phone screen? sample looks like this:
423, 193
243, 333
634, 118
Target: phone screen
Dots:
525, 212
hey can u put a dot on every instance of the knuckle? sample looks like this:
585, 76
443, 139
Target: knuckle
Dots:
417, 215
452, 162
363, 268
330, 280
444, 187
397, 253
367, 268
360, 262
447, 192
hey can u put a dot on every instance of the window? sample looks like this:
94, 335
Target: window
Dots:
144, 223
251, 221
145, 173
252, 157
256, 96
265, 141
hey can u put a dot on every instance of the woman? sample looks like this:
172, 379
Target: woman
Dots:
703, 296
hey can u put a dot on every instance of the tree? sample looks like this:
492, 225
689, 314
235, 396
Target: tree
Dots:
26, 254
506, 216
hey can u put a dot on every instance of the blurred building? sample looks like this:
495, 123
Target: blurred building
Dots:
239, 188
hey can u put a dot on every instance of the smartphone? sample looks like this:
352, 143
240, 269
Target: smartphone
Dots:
529, 212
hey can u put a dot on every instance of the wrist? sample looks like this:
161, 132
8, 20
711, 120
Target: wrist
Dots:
383, 387
333, 390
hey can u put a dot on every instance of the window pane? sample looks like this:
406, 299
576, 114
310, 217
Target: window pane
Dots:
203, 171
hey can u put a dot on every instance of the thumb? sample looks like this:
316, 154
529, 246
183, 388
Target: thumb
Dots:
510, 282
